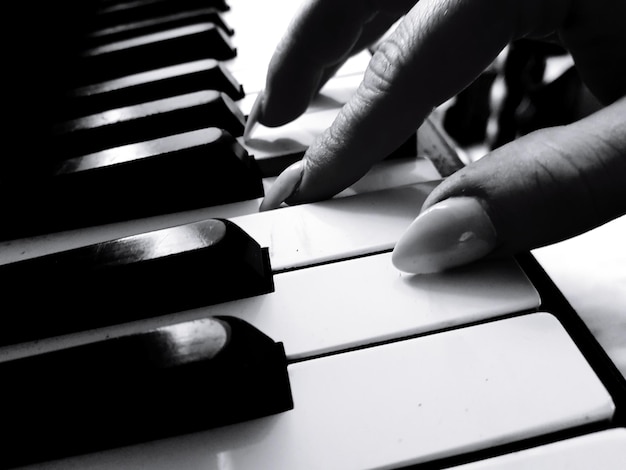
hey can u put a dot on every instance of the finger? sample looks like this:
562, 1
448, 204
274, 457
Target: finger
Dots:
542, 188
320, 38
287, 103
371, 33
286, 183
437, 49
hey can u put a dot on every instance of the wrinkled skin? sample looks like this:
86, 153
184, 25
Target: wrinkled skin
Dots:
559, 181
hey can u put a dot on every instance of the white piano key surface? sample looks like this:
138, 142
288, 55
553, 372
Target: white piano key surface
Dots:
397, 404
361, 301
341, 305
329, 230
605, 450
590, 270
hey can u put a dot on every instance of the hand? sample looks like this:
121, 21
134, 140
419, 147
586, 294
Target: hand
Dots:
544, 187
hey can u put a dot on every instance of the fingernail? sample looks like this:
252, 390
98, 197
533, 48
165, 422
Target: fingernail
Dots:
451, 233
254, 116
285, 185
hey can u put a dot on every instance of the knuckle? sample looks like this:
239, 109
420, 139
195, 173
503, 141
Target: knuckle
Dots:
383, 65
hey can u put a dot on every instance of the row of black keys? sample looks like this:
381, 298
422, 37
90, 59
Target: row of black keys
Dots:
159, 154
121, 149
148, 384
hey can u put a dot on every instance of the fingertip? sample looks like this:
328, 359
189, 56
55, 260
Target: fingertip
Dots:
285, 186
453, 232
254, 117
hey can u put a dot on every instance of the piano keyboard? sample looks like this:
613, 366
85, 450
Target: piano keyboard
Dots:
484, 367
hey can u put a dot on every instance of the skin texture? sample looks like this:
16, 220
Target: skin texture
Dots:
559, 181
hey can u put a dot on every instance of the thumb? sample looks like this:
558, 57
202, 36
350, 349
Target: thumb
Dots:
544, 187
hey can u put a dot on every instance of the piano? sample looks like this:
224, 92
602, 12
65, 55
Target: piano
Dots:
153, 318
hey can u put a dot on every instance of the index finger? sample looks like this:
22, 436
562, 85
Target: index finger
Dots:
437, 49
321, 36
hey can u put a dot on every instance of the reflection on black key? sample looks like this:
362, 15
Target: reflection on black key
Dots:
174, 46
147, 121
131, 278
156, 84
168, 381
114, 13
154, 25
172, 174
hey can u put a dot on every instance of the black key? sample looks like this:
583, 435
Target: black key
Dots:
172, 174
131, 278
155, 25
151, 51
164, 382
207, 74
115, 13
147, 121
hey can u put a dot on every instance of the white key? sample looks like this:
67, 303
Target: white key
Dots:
399, 404
337, 229
605, 450
366, 300
346, 304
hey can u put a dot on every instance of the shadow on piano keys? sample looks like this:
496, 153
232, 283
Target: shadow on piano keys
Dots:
365, 367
